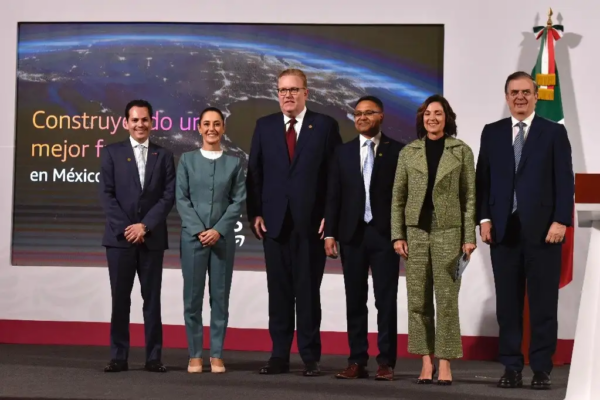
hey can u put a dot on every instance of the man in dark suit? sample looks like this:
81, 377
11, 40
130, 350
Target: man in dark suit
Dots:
525, 189
137, 189
286, 185
358, 215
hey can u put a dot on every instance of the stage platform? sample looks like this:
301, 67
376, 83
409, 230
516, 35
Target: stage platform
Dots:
75, 372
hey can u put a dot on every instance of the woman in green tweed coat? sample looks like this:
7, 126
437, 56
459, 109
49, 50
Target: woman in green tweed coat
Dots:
433, 223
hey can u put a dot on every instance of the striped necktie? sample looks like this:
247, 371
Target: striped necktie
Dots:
367, 171
518, 150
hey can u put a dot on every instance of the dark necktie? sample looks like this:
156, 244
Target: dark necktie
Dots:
290, 138
518, 149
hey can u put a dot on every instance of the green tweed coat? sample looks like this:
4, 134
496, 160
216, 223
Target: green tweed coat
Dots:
453, 192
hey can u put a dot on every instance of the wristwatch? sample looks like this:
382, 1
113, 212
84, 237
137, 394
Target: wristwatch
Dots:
146, 230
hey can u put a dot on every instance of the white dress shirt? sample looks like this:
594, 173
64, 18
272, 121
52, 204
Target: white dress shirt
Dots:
141, 157
363, 152
527, 121
515, 132
211, 154
363, 149
136, 150
298, 124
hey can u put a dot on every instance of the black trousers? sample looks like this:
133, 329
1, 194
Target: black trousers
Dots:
123, 264
518, 263
295, 264
370, 248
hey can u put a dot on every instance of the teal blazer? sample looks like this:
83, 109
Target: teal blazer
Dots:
209, 194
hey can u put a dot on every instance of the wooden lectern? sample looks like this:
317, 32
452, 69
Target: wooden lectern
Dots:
585, 362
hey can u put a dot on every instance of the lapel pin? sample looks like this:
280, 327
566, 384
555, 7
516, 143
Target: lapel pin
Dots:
310, 127
129, 159
380, 154
154, 154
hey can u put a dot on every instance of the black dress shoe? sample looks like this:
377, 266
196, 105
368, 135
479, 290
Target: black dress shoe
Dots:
510, 380
427, 381
116, 366
311, 369
274, 367
541, 381
443, 382
155, 366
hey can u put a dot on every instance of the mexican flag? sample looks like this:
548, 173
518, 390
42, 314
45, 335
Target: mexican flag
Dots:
549, 106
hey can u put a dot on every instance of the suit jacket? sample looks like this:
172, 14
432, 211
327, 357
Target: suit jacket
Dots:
346, 190
453, 191
124, 201
275, 183
544, 181
209, 194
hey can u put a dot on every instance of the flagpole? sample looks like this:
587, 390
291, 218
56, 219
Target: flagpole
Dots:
549, 105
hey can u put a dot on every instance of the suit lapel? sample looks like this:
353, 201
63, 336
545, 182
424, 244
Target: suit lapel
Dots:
384, 144
150, 163
280, 142
532, 137
353, 159
419, 160
350, 157
448, 162
304, 136
131, 163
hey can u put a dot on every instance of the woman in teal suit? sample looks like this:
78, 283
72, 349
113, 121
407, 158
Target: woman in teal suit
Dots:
210, 191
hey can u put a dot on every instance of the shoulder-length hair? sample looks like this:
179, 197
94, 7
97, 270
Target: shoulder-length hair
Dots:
450, 127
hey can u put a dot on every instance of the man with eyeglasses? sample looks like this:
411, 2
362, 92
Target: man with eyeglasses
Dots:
358, 215
286, 185
525, 189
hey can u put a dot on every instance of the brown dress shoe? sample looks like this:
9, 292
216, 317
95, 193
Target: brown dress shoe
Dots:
384, 373
353, 371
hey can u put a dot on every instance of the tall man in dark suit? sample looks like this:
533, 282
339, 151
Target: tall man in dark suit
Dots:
525, 189
287, 185
137, 189
358, 214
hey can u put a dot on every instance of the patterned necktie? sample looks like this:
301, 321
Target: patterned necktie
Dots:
367, 171
290, 138
518, 149
140, 160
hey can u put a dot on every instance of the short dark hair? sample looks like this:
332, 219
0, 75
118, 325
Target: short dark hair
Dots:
137, 103
215, 109
520, 75
374, 99
450, 127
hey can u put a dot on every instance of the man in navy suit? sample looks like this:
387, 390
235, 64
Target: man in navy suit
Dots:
137, 189
358, 215
525, 190
287, 185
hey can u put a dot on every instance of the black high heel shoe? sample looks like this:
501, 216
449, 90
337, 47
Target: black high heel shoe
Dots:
427, 381
442, 382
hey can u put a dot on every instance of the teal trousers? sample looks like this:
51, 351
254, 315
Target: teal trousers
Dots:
196, 263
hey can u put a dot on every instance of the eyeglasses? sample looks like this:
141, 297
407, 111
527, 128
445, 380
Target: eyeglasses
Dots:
358, 114
515, 93
284, 91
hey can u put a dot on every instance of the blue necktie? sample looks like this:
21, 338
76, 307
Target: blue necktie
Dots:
518, 149
367, 171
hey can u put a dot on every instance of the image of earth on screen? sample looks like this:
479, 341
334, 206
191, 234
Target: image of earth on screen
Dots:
74, 80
